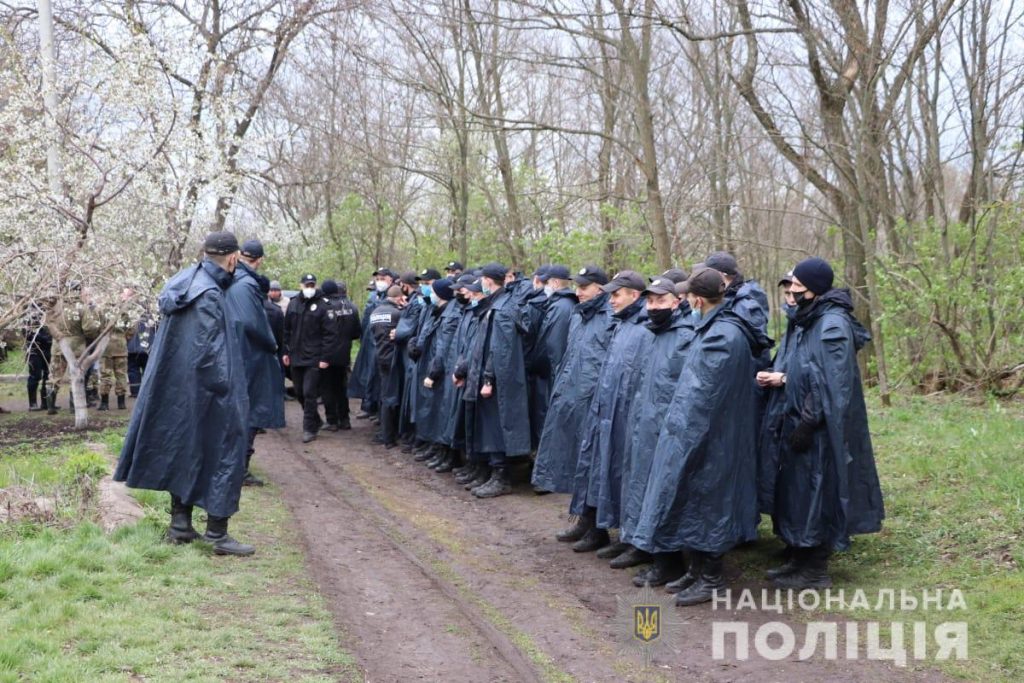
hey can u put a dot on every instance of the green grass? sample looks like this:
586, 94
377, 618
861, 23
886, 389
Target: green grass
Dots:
14, 363
76, 604
952, 474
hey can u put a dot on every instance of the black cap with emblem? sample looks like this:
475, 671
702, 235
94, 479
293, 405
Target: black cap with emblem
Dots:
661, 285
220, 243
429, 274
308, 278
627, 279
589, 275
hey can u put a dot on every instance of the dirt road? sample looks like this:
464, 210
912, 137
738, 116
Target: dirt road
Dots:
428, 583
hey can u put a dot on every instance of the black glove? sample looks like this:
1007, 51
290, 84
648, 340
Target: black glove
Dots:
414, 351
802, 438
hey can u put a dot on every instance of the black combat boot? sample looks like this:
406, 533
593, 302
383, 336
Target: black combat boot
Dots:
498, 485
467, 474
104, 402
591, 541
791, 564
709, 580
630, 558
51, 402
120, 402
584, 523
811, 571
451, 459
425, 454
611, 551
687, 579
223, 543
483, 475
667, 567
436, 459
181, 529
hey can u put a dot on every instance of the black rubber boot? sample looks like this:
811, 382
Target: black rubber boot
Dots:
436, 459
425, 454
791, 564
667, 567
591, 541
584, 523
181, 529
811, 571
104, 402
92, 398
468, 473
687, 579
33, 399
630, 558
451, 459
498, 485
612, 551
345, 425
51, 402
483, 475
708, 581
120, 402
223, 543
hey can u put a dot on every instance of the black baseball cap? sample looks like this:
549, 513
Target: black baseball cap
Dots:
786, 279
464, 281
454, 265
707, 282
408, 278
494, 270
629, 279
382, 270
252, 249
556, 271
661, 285
475, 286
676, 275
588, 275
429, 274
307, 278
723, 262
220, 243
541, 271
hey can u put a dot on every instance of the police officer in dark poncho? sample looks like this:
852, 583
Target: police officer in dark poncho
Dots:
244, 305
495, 384
343, 318
275, 315
436, 335
597, 487
743, 297
574, 384
702, 492
309, 342
38, 344
827, 486
405, 362
188, 430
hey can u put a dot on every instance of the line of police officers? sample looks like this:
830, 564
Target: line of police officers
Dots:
656, 404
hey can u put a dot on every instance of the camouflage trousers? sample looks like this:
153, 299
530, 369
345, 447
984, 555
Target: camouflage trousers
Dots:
59, 372
114, 372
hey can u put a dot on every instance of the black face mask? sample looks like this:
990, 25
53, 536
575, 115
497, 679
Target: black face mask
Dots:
461, 298
802, 301
659, 316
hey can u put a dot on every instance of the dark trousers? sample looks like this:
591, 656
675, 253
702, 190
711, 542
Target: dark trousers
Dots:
388, 423
252, 447
136, 367
38, 373
307, 390
334, 389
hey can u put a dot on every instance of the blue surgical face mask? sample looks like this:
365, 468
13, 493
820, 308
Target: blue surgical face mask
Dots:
425, 290
696, 314
486, 289
549, 290
473, 303
434, 297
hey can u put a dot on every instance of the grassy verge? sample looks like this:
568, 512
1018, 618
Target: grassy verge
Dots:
81, 605
952, 474
14, 364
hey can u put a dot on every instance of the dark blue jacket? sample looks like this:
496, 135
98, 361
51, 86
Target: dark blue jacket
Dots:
702, 490
555, 467
598, 480
496, 358
651, 404
244, 305
188, 432
826, 494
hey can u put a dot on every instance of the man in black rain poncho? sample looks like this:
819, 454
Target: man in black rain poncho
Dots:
382, 323
669, 321
597, 487
495, 385
453, 430
550, 341
436, 332
827, 486
244, 305
702, 491
743, 297
364, 382
188, 430
406, 355
574, 383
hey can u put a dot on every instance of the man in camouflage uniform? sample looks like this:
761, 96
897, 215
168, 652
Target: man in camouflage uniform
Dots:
114, 366
67, 319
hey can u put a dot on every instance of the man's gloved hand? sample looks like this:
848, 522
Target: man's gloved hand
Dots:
802, 438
